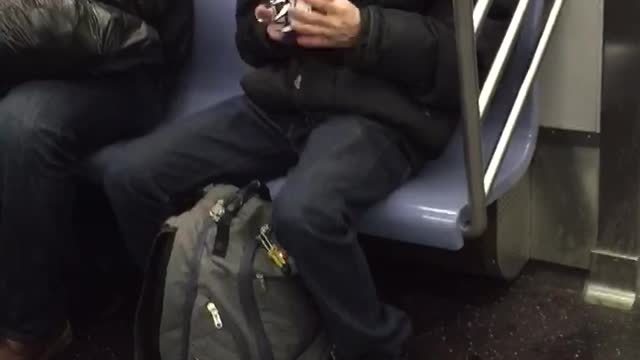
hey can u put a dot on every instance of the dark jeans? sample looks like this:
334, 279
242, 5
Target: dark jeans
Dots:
46, 129
342, 165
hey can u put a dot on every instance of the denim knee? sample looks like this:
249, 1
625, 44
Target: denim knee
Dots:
128, 178
25, 134
305, 217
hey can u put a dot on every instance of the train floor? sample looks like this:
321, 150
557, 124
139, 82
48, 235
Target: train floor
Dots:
540, 316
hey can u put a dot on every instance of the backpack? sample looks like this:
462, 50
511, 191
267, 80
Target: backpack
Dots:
218, 286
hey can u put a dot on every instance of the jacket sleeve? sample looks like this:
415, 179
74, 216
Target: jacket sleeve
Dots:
252, 41
59, 35
412, 50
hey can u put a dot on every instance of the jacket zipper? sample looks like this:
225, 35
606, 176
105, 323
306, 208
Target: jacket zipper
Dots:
295, 83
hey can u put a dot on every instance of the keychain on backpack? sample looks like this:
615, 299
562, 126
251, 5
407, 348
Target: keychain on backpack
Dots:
275, 252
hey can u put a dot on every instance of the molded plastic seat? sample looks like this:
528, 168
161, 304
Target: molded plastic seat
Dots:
428, 209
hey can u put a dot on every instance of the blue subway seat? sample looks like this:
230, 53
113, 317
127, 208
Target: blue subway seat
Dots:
429, 209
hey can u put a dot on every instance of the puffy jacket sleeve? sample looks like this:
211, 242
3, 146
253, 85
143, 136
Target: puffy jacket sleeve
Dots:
58, 35
418, 51
252, 41
415, 51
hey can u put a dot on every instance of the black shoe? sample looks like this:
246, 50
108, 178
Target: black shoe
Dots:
39, 350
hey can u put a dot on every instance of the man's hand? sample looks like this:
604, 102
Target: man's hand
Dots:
331, 24
266, 15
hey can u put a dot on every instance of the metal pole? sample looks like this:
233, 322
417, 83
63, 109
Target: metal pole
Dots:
468, 68
523, 93
613, 278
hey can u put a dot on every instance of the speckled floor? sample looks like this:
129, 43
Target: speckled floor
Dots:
540, 316
456, 317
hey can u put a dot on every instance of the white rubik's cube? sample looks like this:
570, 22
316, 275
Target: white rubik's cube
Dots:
281, 9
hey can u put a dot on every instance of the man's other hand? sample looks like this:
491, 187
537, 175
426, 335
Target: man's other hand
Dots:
331, 24
266, 15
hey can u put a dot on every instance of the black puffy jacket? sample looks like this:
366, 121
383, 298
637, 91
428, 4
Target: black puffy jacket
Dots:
403, 72
42, 37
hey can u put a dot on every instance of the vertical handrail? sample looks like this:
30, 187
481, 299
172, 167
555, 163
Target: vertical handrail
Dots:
469, 84
525, 88
468, 20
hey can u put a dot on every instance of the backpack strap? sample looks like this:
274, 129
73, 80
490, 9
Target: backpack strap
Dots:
231, 208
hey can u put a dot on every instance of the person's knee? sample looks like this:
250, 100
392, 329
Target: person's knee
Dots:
27, 133
127, 176
304, 216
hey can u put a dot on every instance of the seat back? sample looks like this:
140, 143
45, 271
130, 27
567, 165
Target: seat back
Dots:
211, 75
214, 70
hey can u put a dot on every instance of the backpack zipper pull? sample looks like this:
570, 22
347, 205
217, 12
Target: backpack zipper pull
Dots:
215, 314
217, 211
263, 282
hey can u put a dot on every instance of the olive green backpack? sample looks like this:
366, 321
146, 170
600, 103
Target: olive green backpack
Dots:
218, 287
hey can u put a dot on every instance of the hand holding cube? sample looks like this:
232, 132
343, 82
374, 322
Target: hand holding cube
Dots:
281, 10
316, 23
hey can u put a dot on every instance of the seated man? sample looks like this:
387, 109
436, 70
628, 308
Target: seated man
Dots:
76, 75
354, 102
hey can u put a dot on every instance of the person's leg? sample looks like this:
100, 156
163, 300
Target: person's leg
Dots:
46, 128
348, 164
229, 142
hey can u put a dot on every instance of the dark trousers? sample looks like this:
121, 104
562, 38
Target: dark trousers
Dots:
47, 128
340, 165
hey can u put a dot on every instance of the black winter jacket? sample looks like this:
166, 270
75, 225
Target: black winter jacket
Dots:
50, 37
403, 72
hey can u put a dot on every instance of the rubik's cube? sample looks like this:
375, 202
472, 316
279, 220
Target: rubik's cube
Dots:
281, 9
